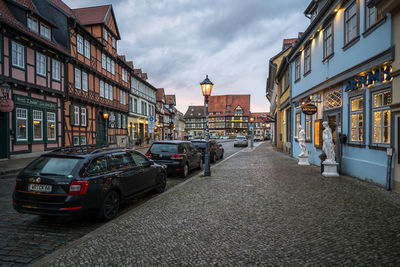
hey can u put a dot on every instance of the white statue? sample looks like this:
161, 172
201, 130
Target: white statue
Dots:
328, 147
302, 141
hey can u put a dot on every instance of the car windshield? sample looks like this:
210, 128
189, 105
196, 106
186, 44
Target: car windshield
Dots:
52, 166
164, 148
241, 138
200, 144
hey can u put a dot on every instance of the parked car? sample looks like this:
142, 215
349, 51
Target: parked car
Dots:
257, 138
216, 150
224, 137
79, 181
213, 137
267, 136
179, 157
240, 141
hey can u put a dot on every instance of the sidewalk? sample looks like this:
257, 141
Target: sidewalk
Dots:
12, 166
258, 208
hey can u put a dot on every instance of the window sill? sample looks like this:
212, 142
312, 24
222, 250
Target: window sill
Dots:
18, 67
298, 79
360, 145
306, 73
374, 27
351, 43
56, 80
21, 142
41, 75
326, 59
378, 146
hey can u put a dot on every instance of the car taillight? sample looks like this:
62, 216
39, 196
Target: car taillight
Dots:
204, 150
148, 155
177, 156
78, 188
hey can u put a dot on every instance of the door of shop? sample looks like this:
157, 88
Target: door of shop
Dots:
334, 119
4, 143
100, 135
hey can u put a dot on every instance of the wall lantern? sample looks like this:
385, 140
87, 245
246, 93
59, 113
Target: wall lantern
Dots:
105, 115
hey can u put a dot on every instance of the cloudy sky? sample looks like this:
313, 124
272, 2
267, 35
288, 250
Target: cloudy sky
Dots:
178, 42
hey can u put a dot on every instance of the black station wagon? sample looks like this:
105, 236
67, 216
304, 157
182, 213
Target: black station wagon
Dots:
81, 180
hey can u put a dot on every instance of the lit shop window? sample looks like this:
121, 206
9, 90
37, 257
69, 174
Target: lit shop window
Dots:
308, 127
37, 125
357, 119
21, 122
51, 126
381, 117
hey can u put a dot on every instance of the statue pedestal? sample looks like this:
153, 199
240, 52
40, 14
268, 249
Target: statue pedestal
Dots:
303, 160
330, 169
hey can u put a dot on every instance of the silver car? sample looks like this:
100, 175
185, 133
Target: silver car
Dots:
241, 141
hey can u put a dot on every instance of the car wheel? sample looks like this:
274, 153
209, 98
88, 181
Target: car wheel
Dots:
201, 164
185, 171
110, 206
162, 183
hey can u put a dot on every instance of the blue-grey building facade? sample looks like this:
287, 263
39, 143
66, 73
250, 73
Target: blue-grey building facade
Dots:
342, 65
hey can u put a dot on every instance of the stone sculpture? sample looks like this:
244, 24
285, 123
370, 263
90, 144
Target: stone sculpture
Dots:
328, 147
302, 141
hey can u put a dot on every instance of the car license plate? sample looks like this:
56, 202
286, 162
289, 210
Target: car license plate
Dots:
43, 188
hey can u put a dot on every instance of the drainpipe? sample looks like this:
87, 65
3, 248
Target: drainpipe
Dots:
389, 153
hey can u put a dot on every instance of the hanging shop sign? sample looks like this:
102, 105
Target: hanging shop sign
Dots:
6, 105
309, 109
382, 74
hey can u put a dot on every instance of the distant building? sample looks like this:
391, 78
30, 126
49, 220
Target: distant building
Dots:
261, 123
194, 121
179, 125
170, 103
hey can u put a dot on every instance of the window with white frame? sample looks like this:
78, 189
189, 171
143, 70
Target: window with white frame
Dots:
78, 84
357, 119
87, 49
371, 16
76, 116
350, 23
108, 64
79, 43
106, 91
308, 129
118, 120
111, 93
135, 105
21, 116
84, 81
328, 41
122, 97
51, 126
103, 61
18, 55
76, 140
113, 42
37, 125
83, 117
41, 64
112, 66
307, 59
83, 140
381, 117
101, 88
55, 69
105, 34
33, 24
45, 31
298, 68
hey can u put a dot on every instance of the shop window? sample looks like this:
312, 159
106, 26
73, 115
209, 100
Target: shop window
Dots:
318, 133
18, 55
381, 117
51, 126
350, 23
55, 70
21, 124
308, 127
357, 119
333, 99
298, 122
328, 41
79, 43
37, 125
87, 49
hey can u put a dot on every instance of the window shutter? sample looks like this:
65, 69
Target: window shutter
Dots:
71, 114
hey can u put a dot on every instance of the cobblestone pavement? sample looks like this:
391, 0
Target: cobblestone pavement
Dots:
25, 238
258, 208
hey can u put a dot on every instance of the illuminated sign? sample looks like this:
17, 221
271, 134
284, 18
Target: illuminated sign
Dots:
309, 109
382, 74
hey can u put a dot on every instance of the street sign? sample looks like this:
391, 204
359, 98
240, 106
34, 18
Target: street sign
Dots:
151, 124
309, 109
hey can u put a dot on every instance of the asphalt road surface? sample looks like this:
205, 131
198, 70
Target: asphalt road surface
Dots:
24, 238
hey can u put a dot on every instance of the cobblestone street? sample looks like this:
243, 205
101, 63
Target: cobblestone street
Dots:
258, 208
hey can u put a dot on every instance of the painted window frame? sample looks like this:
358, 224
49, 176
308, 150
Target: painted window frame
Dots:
297, 68
103, 61
86, 48
40, 119
353, 96
41, 64
45, 31
113, 67
102, 87
18, 54
55, 69
17, 117
77, 116
79, 44
328, 39
348, 41
307, 60
54, 121
105, 34
85, 81
380, 109
108, 64
30, 26
78, 78
83, 115
74, 138
367, 15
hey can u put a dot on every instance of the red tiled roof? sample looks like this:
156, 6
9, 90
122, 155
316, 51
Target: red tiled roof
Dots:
7, 17
224, 103
144, 76
289, 41
259, 115
160, 94
92, 15
170, 99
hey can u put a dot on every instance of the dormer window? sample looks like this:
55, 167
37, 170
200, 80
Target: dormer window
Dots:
45, 31
33, 24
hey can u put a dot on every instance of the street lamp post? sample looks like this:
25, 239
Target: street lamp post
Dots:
206, 87
105, 116
252, 132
